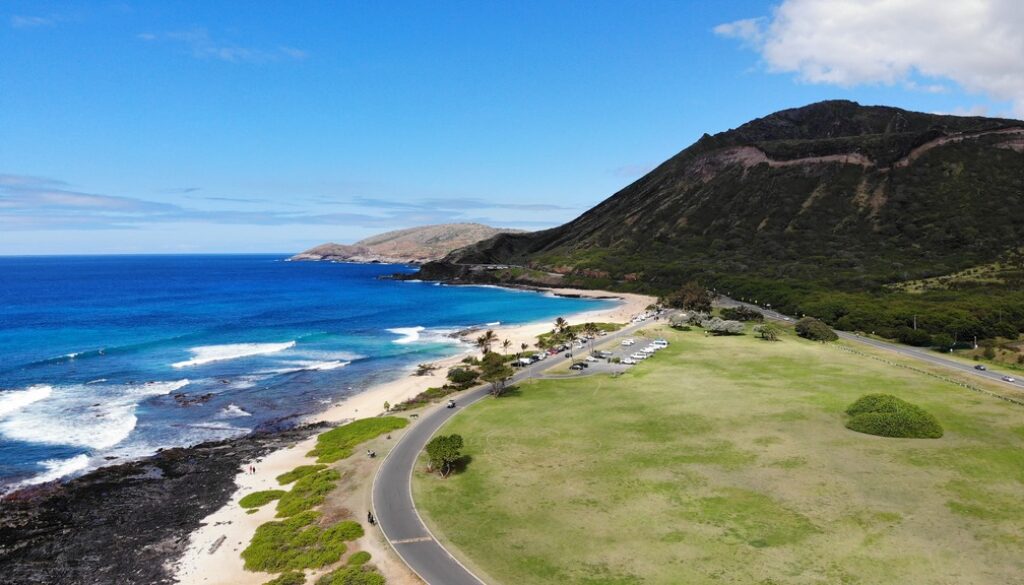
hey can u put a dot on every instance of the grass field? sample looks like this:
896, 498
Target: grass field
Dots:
726, 460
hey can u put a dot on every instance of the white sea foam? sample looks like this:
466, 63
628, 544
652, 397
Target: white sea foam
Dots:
304, 366
96, 416
232, 411
494, 324
409, 334
58, 468
215, 353
17, 399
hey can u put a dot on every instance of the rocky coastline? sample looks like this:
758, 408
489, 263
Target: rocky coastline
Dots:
126, 524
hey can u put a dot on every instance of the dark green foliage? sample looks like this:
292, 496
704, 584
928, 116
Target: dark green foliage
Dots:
887, 416
495, 371
298, 543
742, 313
257, 499
943, 341
307, 493
359, 558
768, 331
298, 473
911, 336
352, 575
289, 578
691, 297
443, 451
815, 330
462, 377
337, 444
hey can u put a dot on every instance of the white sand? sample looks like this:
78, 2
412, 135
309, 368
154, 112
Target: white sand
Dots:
224, 566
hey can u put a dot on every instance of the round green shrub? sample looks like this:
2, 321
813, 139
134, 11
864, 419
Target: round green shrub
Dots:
298, 543
815, 330
289, 578
359, 558
885, 415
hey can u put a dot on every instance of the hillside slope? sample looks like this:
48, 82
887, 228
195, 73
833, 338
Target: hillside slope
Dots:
833, 196
412, 245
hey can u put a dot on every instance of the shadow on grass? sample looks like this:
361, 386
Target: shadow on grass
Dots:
511, 392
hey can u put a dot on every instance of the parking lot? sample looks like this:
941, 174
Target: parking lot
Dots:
604, 357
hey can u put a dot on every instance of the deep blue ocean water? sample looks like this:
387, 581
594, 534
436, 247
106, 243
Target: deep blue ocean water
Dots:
103, 357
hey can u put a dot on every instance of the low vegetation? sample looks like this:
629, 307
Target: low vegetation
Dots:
298, 543
887, 416
298, 473
358, 558
289, 578
352, 575
307, 493
259, 499
337, 444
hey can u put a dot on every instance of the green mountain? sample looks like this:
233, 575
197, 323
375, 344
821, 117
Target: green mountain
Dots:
826, 200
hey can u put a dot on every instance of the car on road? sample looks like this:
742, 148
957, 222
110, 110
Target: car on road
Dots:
576, 367
980, 367
451, 404
1010, 379
627, 342
629, 361
638, 356
592, 359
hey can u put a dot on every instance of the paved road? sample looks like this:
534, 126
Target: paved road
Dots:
392, 486
925, 355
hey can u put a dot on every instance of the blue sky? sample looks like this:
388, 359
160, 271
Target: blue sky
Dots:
139, 127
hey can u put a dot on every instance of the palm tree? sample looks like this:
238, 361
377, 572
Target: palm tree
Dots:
524, 347
505, 345
570, 336
560, 324
486, 340
591, 330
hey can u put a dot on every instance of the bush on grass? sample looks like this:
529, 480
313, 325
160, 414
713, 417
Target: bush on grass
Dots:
307, 492
289, 578
298, 543
258, 499
298, 473
815, 330
358, 558
885, 415
337, 444
357, 575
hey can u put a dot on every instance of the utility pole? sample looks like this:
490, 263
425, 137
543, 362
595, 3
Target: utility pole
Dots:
915, 322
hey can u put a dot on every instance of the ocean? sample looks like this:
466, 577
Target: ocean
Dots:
108, 358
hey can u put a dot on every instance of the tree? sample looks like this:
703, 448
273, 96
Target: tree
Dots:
505, 345
591, 330
691, 297
768, 331
723, 327
813, 329
485, 341
742, 313
462, 377
443, 451
494, 370
943, 341
523, 347
560, 325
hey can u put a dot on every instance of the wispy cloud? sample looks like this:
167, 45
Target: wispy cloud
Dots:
19, 21
38, 203
450, 203
201, 45
181, 189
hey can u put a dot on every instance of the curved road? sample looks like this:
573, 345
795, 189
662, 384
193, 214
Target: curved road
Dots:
392, 486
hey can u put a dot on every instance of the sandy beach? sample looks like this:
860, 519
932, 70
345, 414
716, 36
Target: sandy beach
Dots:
212, 557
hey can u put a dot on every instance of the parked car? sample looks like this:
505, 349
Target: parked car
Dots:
1010, 379
629, 361
980, 367
568, 354
592, 359
576, 367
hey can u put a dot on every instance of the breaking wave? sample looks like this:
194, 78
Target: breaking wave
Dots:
216, 353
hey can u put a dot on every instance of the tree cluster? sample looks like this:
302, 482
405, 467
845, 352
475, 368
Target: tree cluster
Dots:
814, 329
443, 451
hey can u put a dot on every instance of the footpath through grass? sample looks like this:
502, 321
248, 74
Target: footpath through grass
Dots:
727, 460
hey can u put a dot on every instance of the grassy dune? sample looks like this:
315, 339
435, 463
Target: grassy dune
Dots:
726, 460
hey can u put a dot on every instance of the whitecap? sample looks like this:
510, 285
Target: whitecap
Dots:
232, 411
58, 468
409, 334
303, 366
96, 416
17, 399
215, 353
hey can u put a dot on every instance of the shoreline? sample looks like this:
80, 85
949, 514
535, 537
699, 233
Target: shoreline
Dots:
234, 527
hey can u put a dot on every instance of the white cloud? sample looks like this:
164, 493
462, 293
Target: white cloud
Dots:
30, 21
202, 45
976, 44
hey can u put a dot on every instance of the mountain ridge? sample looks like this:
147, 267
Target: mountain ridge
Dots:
405, 246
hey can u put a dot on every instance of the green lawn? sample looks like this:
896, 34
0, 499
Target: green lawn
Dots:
726, 460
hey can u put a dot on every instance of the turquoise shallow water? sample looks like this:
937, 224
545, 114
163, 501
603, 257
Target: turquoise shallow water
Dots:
105, 357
